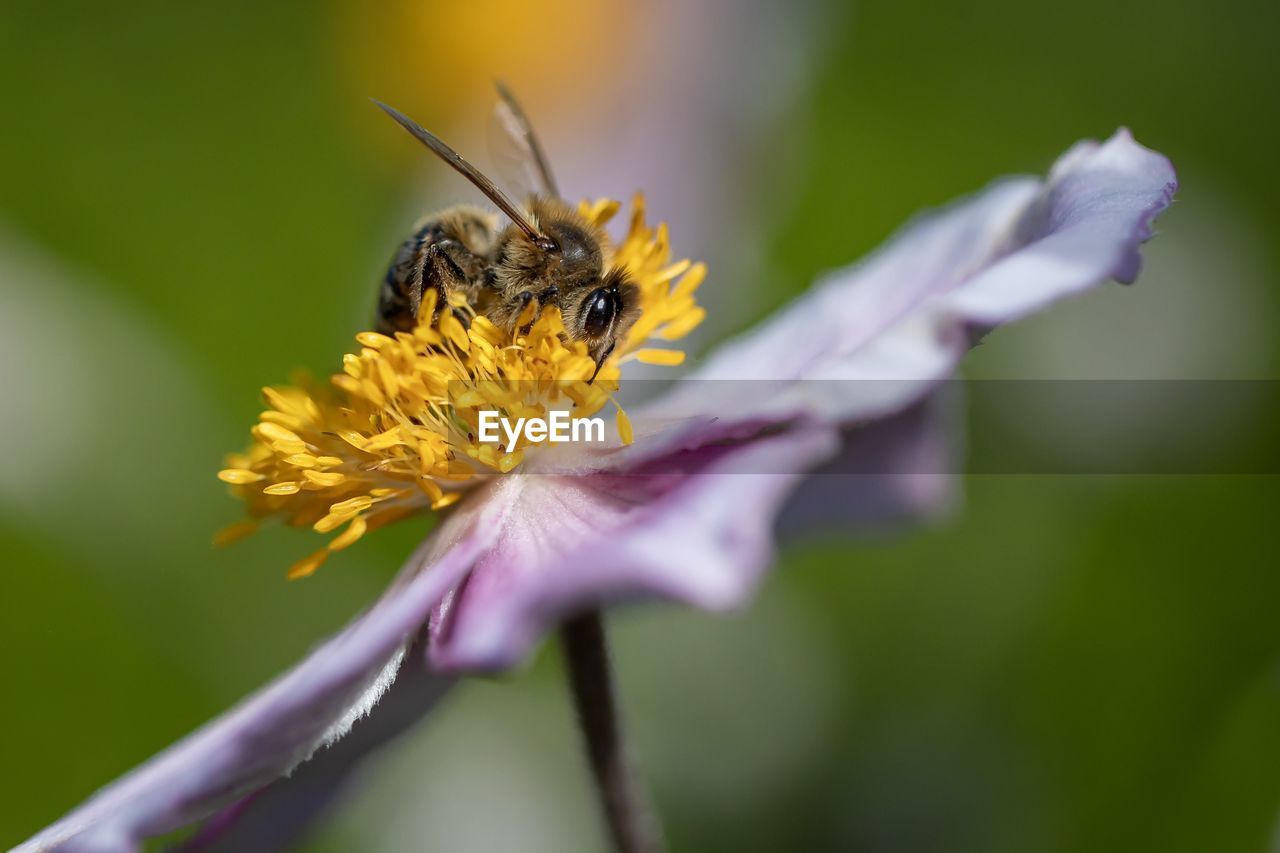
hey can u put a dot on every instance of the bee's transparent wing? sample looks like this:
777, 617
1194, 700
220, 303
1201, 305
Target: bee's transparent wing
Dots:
518, 157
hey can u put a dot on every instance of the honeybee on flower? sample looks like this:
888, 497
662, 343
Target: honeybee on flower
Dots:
473, 320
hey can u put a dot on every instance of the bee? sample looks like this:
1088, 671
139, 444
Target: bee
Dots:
544, 254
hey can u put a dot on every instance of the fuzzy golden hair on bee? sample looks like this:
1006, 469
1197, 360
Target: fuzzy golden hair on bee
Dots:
579, 245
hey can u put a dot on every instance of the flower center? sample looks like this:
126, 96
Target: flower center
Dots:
399, 430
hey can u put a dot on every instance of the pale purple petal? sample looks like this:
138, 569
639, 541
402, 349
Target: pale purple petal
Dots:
695, 528
271, 732
1086, 227
867, 344
890, 472
278, 816
885, 330
854, 307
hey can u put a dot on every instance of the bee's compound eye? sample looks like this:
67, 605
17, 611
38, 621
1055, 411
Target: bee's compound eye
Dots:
598, 311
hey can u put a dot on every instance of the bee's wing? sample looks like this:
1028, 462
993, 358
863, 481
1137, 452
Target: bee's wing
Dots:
517, 155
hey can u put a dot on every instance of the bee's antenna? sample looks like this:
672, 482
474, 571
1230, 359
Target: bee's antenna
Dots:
471, 173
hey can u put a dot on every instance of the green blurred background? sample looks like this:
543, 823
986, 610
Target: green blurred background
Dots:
196, 199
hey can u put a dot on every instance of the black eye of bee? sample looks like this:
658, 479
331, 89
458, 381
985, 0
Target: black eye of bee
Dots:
598, 310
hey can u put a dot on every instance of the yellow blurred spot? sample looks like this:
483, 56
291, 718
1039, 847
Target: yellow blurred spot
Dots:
308, 565
664, 357
235, 532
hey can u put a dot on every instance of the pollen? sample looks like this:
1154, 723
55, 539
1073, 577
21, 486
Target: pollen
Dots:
395, 433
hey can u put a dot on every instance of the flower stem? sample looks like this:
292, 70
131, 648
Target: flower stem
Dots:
632, 823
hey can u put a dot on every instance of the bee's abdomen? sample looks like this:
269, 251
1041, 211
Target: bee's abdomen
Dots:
396, 303
394, 311
466, 232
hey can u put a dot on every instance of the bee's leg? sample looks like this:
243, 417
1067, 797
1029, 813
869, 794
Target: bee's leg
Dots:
464, 261
517, 308
442, 269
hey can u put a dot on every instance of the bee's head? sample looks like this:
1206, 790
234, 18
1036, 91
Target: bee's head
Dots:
571, 254
601, 312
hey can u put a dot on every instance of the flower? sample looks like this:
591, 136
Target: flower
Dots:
685, 511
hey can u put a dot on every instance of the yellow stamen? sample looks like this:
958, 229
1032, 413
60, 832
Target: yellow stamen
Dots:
308, 565
624, 427
349, 536
396, 432
239, 476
